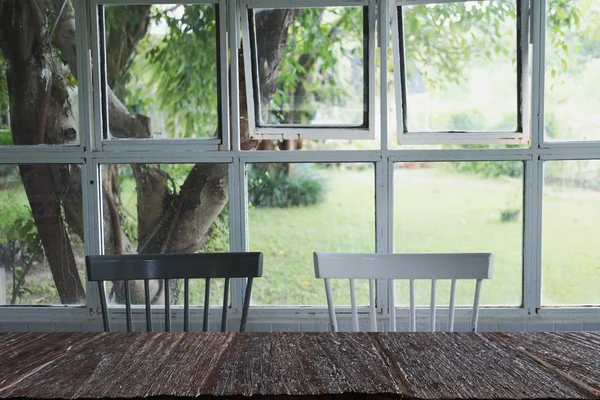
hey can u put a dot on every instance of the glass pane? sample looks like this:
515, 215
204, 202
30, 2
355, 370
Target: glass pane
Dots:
571, 228
42, 77
166, 208
297, 209
320, 79
165, 75
460, 66
41, 235
572, 70
462, 207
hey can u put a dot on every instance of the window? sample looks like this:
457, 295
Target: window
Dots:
571, 227
463, 207
297, 209
461, 72
572, 65
41, 235
165, 208
321, 82
165, 80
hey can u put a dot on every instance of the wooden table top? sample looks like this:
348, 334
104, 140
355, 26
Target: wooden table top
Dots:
320, 365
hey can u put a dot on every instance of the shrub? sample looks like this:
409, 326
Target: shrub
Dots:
301, 187
495, 169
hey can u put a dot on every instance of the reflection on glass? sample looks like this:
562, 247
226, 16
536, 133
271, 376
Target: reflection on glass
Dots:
321, 77
41, 235
462, 207
571, 227
297, 209
572, 70
166, 208
460, 66
165, 76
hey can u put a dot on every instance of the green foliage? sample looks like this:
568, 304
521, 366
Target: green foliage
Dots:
24, 236
301, 187
321, 42
440, 40
218, 236
176, 73
4, 100
496, 169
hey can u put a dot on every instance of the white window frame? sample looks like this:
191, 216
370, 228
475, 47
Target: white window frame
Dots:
522, 133
287, 131
91, 157
102, 139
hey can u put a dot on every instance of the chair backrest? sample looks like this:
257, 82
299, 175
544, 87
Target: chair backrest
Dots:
432, 266
127, 267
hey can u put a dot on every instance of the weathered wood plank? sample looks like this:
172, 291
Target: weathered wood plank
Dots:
128, 365
22, 354
315, 365
576, 354
467, 365
303, 364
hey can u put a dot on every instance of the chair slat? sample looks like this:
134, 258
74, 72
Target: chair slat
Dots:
128, 306
225, 306
167, 306
451, 306
105, 318
148, 305
355, 327
372, 312
330, 306
247, 297
432, 307
392, 293
476, 306
413, 311
186, 305
206, 306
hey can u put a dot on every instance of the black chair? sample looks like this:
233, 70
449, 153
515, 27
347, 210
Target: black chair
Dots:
127, 267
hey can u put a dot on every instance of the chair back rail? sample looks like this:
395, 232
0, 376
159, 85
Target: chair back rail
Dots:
128, 267
433, 266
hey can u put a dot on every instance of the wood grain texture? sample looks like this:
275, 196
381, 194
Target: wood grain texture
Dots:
294, 365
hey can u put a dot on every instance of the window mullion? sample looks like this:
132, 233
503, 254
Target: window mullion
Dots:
238, 224
92, 222
383, 223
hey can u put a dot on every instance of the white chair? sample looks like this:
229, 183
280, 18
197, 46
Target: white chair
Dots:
435, 266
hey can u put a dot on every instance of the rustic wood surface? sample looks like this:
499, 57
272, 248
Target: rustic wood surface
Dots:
318, 365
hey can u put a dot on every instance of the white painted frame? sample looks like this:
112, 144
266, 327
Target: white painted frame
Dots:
91, 156
407, 137
287, 131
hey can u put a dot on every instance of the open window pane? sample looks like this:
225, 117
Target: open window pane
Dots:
322, 78
460, 68
297, 209
462, 207
40, 73
572, 71
571, 228
166, 208
41, 235
163, 80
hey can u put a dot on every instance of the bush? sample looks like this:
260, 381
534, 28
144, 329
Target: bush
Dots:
489, 169
301, 187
